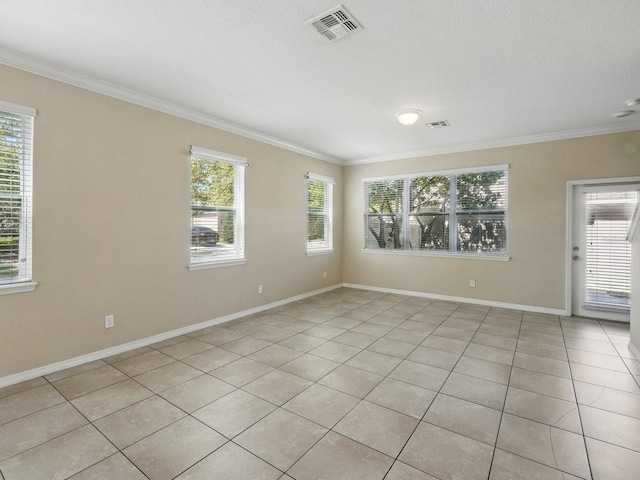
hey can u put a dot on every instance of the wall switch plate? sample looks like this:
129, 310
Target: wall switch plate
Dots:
472, 283
109, 321
259, 288
324, 275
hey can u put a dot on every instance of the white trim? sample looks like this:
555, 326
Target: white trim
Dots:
437, 253
17, 109
437, 173
108, 352
8, 289
634, 350
222, 263
507, 142
320, 251
314, 177
201, 152
474, 301
76, 79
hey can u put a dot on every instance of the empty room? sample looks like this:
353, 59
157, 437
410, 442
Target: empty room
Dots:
305, 240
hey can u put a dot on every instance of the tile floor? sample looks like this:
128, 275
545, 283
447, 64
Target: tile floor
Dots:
349, 384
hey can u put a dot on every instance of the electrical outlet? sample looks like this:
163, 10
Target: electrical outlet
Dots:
472, 283
324, 275
109, 321
259, 288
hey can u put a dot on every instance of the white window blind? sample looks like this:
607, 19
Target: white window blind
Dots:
319, 213
462, 211
16, 154
217, 208
608, 264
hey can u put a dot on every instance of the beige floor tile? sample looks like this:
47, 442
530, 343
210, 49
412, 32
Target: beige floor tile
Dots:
356, 339
234, 413
366, 421
230, 462
609, 461
325, 331
477, 390
349, 460
143, 363
402, 471
322, 405
126, 355
29, 401
374, 362
535, 363
388, 320
169, 341
452, 332
22, 386
597, 360
59, 458
466, 418
608, 399
597, 347
374, 329
491, 354
211, 359
351, 380
116, 467
605, 378
272, 334
186, 349
611, 427
110, 399
130, 424
551, 446
406, 336
70, 372
196, 393
275, 355
245, 345
490, 328
310, 367
507, 466
83, 383
446, 344
390, 347
495, 341
172, 450
241, 371
544, 338
433, 357
281, 438
447, 455
541, 408
37, 428
337, 352
421, 375
342, 322
548, 351
487, 370
162, 378
418, 327
402, 397
277, 387
542, 383
531, 326
302, 342
220, 337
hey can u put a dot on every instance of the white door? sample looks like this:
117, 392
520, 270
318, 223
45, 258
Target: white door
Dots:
601, 255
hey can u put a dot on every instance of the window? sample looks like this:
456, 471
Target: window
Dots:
462, 211
16, 144
217, 208
319, 214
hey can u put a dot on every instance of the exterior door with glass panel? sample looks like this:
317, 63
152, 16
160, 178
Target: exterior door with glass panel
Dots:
601, 255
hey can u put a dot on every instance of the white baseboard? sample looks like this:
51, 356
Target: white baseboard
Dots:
90, 357
475, 301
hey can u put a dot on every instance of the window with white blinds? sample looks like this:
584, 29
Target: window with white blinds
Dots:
319, 214
217, 208
461, 211
16, 154
608, 256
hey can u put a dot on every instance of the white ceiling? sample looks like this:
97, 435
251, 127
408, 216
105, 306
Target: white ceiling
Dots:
502, 72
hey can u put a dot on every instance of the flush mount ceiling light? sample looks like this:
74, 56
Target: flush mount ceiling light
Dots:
624, 113
409, 116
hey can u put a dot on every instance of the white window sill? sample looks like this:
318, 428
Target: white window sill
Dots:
324, 251
466, 256
219, 264
17, 288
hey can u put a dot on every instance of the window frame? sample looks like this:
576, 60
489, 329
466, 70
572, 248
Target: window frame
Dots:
327, 245
238, 257
452, 214
23, 281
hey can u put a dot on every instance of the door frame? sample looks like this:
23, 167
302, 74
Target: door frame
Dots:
571, 187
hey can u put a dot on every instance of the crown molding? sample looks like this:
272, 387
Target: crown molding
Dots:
508, 142
86, 82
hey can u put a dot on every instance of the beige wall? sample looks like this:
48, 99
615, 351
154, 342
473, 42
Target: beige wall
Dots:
111, 227
538, 176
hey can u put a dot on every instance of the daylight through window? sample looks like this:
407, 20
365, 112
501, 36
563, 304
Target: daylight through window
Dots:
462, 211
319, 214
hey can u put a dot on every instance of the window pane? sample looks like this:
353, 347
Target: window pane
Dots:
428, 220
429, 231
481, 191
483, 232
384, 218
319, 214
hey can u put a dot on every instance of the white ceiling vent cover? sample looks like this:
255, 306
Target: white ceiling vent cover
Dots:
335, 24
441, 123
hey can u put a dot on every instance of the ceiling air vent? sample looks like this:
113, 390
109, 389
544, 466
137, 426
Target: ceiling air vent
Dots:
441, 123
335, 24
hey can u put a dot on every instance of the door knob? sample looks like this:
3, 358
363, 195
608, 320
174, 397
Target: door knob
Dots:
576, 257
